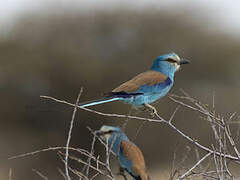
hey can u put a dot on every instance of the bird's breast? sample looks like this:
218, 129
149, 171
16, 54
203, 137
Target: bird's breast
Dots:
147, 97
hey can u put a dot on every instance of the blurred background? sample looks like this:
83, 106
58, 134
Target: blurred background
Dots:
55, 47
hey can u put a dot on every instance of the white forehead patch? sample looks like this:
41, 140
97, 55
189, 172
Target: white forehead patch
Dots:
106, 128
175, 57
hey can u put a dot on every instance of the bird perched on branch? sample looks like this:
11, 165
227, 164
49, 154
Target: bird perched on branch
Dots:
146, 87
129, 155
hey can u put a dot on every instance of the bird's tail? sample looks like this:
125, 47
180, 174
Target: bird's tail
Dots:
99, 101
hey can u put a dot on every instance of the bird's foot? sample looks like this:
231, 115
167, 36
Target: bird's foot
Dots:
153, 110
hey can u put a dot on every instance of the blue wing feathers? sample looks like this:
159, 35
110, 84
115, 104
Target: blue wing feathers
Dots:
160, 88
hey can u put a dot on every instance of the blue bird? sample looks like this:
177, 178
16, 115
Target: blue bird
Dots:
146, 87
129, 155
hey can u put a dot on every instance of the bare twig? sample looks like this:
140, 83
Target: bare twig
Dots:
232, 142
79, 174
94, 176
70, 133
10, 174
40, 174
199, 162
160, 120
173, 170
91, 153
99, 139
62, 173
231, 117
173, 114
216, 163
201, 110
93, 167
138, 130
101, 113
124, 125
82, 151
198, 158
90, 166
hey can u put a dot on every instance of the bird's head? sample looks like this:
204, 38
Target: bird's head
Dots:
110, 133
168, 64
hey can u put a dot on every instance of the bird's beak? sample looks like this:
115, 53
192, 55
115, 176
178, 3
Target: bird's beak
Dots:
184, 61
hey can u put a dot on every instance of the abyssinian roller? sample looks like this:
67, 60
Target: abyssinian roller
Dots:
146, 87
130, 157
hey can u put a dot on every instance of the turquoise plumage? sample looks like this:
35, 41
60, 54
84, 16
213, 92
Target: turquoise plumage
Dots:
129, 155
147, 87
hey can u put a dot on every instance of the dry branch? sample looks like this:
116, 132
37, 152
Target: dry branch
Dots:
40, 174
160, 120
191, 169
219, 152
70, 133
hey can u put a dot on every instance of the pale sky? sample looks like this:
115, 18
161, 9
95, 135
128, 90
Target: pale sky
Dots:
225, 12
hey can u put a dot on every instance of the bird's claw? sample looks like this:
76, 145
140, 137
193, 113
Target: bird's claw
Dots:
154, 112
152, 109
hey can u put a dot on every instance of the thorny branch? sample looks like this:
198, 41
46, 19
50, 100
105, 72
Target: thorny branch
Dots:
160, 120
222, 133
219, 152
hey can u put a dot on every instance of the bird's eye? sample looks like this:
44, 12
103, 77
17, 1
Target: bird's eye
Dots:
109, 132
171, 60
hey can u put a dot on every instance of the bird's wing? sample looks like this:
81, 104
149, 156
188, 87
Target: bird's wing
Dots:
142, 83
132, 153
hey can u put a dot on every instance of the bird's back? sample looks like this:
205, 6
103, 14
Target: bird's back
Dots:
134, 155
148, 78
